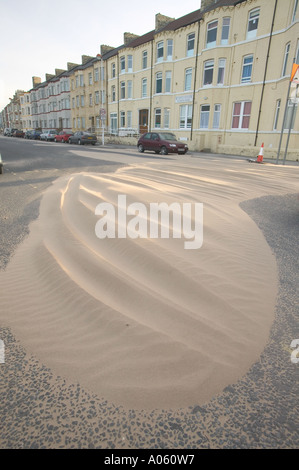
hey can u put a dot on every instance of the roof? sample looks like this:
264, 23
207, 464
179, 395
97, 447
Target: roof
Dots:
182, 22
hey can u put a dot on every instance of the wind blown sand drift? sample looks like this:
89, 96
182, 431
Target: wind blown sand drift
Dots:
144, 322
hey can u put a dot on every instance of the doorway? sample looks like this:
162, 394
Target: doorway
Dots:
143, 121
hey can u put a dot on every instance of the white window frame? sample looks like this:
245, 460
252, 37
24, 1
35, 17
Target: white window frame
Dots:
130, 63
129, 119
144, 87
188, 79
158, 117
216, 116
204, 116
285, 59
130, 89
168, 81
159, 78
160, 51
297, 53
169, 48
221, 71
212, 26
246, 78
144, 59
295, 11
113, 93
242, 115
254, 16
122, 90
208, 66
225, 30
186, 116
113, 123
190, 44
288, 116
276, 115
122, 119
122, 61
166, 118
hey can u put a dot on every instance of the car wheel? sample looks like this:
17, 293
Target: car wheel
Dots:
140, 148
1, 169
164, 150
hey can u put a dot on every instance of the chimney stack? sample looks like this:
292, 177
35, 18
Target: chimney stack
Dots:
105, 49
86, 58
59, 72
207, 3
36, 81
128, 37
161, 21
70, 65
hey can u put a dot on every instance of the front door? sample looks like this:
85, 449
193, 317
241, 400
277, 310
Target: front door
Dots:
143, 121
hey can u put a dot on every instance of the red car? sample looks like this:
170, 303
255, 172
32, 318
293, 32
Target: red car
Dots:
62, 137
161, 142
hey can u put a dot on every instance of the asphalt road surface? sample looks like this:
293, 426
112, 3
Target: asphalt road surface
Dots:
259, 411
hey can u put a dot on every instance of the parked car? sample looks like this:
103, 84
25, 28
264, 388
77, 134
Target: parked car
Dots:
161, 142
18, 133
82, 138
33, 135
7, 131
11, 132
48, 135
62, 136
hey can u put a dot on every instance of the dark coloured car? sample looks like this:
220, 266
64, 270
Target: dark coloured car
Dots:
18, 133
83, 138
33, 135
62, 136
161, 142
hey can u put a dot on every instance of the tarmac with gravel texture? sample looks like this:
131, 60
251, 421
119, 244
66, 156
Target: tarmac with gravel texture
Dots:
41, 410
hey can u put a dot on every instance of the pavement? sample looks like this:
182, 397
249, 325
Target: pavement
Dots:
40, 410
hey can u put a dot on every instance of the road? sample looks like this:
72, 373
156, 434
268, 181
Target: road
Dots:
260, 411
31, 166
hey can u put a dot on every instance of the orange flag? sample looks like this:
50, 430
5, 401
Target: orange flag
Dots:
295, 73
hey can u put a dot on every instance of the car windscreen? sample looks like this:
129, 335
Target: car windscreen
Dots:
167, 136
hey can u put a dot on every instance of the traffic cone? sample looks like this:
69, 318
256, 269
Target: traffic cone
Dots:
261, 154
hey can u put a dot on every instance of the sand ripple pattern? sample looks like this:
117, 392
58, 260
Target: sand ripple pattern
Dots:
143, 322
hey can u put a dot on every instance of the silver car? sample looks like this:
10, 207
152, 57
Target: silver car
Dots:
48, 135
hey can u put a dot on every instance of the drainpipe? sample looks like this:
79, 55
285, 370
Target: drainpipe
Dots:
194, 86
264, 80
118, 93
151, 92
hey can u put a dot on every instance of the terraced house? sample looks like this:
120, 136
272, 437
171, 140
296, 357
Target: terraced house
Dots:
88, 94
50, 102
217, 77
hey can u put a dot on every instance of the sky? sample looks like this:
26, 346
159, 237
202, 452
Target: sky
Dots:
41, 36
